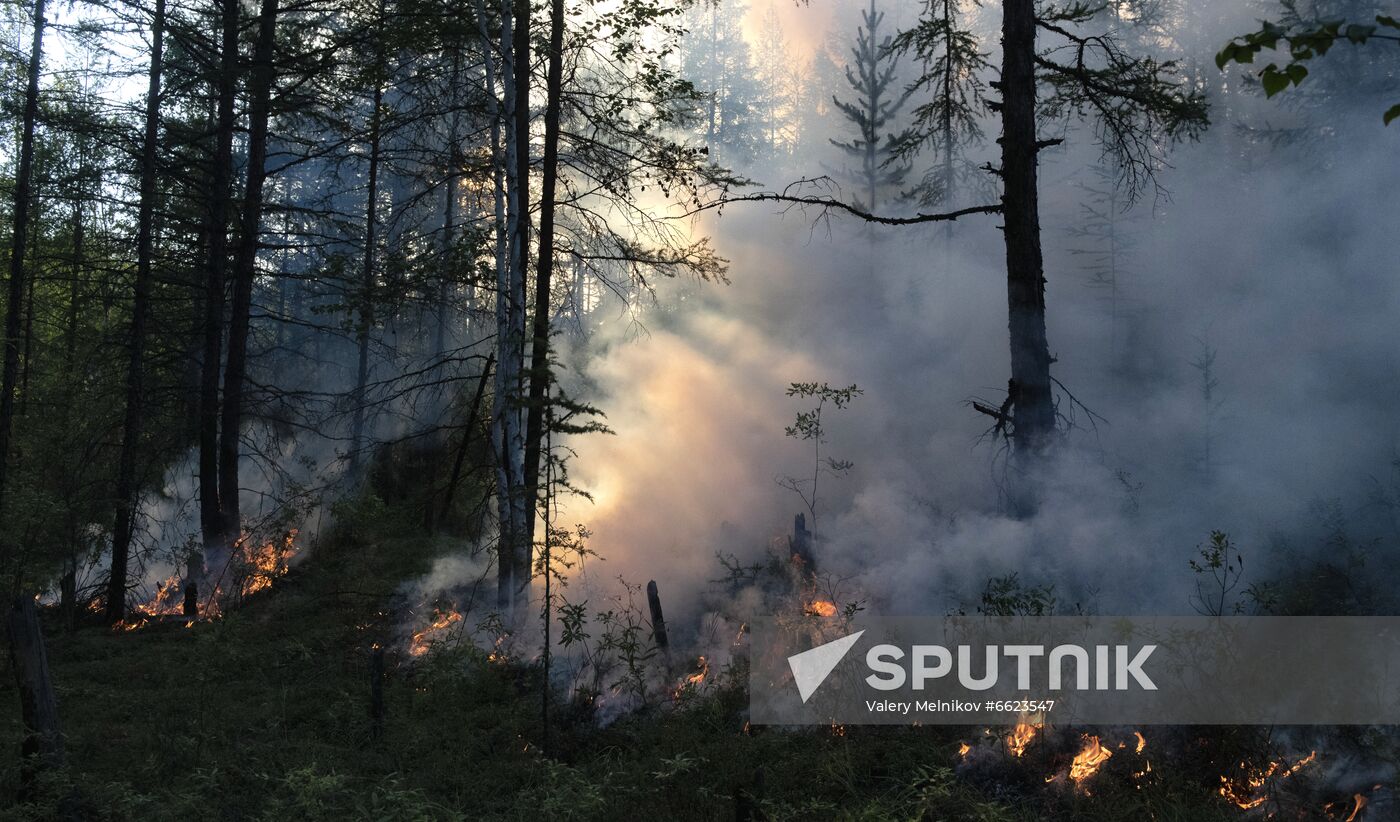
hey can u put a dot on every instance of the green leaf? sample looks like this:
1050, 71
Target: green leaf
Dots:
1392, 113
1359, 34
1387, 21
1273, 80
1296, 73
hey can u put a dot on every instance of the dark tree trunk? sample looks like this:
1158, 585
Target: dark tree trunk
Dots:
215, 531
14, 311
467, 432
366, 325
449, 215
140, 307
544, 273
1033, 410
245, 271
42, 747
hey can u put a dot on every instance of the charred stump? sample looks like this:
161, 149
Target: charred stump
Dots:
42, 746
800, 545
658, 624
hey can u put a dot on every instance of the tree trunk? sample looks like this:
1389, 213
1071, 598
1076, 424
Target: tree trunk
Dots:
20, 234
449, 213
140, 307
245, 272
544, 274
513, 552
366, 324
42, 748
1033, 410
215, 532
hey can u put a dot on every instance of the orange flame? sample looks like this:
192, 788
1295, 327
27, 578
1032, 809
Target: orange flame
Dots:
1249, 792
821, 608
1089, 760
963, 749
1141, 742
424, 639
1020, 738
253, 566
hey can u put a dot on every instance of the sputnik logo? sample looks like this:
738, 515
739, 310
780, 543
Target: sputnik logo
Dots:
811, 668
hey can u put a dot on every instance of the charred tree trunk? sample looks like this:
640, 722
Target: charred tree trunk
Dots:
140, 307
42, 748
14, 310
544, 272
215, 531
1033, 409
245, 271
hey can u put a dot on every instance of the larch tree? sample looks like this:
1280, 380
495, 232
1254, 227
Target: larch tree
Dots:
872, 76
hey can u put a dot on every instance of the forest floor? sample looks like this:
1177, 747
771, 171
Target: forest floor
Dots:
264, 714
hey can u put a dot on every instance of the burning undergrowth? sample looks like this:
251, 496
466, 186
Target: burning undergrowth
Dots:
252, 566
1260, 773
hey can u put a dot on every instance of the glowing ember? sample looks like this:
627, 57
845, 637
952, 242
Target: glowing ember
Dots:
424, 639
1249, 792
821, 608
1020, 737
1089, 760
963, 749
1141, 742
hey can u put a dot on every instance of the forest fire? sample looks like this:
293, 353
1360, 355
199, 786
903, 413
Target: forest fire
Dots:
264, 563
1088, 761
820, 608
424, 639
1021, 737
252, 568
699, 676
1251, 791
1358, 803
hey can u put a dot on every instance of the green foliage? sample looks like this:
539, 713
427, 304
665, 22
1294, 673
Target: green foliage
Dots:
1008, 596
1304, 41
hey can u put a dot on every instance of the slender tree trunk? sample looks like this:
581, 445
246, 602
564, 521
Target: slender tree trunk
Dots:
544, 274
1033, 410
366, 325
449, 213
507, 432
215, 531
20, 234
245, 271
140, 307
31, 283
949, 183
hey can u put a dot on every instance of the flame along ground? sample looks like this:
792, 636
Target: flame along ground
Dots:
252, 567
1250, 789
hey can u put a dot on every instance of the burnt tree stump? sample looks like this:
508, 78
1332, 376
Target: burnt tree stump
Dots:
658, 624
42, 746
